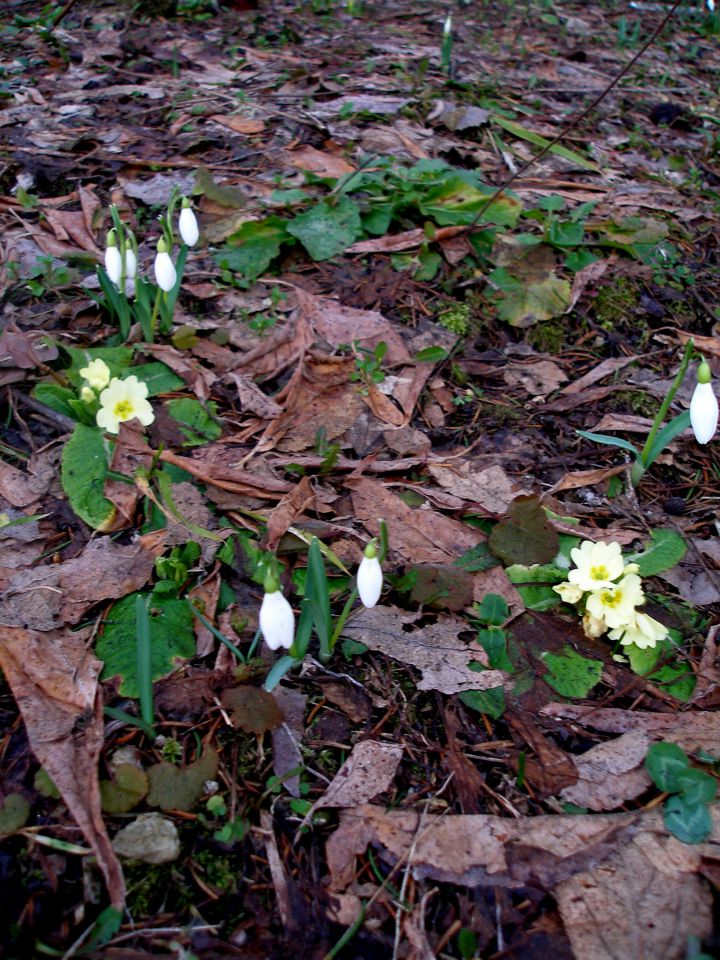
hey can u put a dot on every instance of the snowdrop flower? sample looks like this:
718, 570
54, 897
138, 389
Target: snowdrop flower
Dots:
369, 577
598, 565
711, 5
704, 406
124, 400
97, 374
113, 260
642, 631
616, 604
447, 26
165, 273
130, 263
277, 620
569, 592
187, 224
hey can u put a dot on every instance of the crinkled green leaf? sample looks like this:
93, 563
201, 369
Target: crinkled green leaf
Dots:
171, 634
523, 304
252, 248
571, 674
325, 230
493, 610
457, 199
180, 788
196, 421
84, 469
666, 549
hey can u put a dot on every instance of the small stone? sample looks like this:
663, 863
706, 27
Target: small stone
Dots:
151, 838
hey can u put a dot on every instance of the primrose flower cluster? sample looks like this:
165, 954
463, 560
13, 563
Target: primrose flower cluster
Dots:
608, 592
117, 400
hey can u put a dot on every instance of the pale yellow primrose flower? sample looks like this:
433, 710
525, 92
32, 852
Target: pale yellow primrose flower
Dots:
616, 604
87, 395
569, 592
123, 400
598, 565
642, 630
97, 374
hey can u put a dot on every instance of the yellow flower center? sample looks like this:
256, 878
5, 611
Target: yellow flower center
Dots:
123, 410
599, 573
611, 598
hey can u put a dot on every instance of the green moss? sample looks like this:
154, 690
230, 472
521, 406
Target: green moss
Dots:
456, 318
547, 337
218, 871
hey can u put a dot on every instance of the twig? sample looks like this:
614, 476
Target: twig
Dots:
63, 13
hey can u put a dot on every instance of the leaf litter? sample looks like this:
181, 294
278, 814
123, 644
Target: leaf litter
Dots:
357, 338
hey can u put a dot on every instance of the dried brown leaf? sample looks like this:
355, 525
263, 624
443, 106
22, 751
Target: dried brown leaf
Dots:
54, 680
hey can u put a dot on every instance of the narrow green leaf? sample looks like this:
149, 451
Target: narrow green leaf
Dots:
278, 672
518, 131
666, 435
610, 441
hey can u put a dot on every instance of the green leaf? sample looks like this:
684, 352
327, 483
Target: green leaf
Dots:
525, 535
278, 671
570, 674
430, 355
538, 594
117, 359
666, 549
665, 762
352, 648
171, 637
56, 397
326, 230
676, 679
517, 131
610, 441
197, 423
696, 786
252, 248
578, 259
493, 610
318, 595
567, 234
689, 822
666, 435
522, 304
158, 378
173, 788
14, 814
477, 559
494, 643
84, 470
456, 200
105, 927
127, 788
491, 702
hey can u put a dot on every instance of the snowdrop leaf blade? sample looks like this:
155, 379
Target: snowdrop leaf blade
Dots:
666, 435
278, 672
610, 441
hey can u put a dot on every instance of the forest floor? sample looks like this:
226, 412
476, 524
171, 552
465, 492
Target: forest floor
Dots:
404, 304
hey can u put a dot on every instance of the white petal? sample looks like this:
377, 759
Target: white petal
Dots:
130, 263
113, 264
277, 621
369, 581
188, 227
165, 274
704, 412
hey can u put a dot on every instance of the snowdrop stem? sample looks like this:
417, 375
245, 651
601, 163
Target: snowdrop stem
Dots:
153, 318
340, 623
664, 407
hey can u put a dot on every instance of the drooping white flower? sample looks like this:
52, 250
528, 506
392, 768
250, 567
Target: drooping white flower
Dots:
447, 26
113, 260
642, 631
124, 400
569, 592
97, 374
369, 577
704, 406
130, 263
187, 224
165, 273
616, 604
597, 565
277, 620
